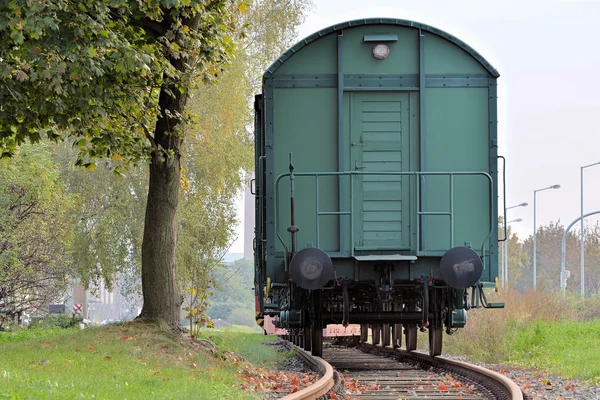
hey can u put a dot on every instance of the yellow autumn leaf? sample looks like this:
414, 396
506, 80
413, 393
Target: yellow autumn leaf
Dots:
185, 184
116, 157
90, 167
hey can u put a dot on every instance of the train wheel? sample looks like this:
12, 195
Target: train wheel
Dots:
307, 339
375, 333
317, 342
410, 332
396, 336
385, 335
435, 341
364, 333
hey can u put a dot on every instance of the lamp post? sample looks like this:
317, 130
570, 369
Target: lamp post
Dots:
504, 246
505, 250
581, 243
535, 232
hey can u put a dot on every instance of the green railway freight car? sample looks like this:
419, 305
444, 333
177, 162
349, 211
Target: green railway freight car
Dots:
376, 183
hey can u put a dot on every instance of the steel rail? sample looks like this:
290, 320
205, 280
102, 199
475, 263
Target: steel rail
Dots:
492, 383
320, 387
510, 390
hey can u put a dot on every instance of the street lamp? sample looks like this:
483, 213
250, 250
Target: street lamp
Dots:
535, 231
581, 244
518, 205
504, 252
505, 249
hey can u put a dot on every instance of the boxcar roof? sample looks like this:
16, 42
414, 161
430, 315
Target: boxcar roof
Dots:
379, 21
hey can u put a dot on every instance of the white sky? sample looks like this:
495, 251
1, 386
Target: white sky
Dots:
548, 56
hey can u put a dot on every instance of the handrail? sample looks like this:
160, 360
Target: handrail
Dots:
414, 174
260, 190
504, 194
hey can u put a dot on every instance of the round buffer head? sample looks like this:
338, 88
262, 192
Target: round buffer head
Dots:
311, 268
461, 267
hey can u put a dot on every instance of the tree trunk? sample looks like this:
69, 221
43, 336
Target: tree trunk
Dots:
160, 286
162, 298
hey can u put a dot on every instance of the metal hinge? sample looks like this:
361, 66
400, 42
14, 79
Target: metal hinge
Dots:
356, 166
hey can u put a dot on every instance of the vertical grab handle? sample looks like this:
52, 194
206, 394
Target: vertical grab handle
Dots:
504, 195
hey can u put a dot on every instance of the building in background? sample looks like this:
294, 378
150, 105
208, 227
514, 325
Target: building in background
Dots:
105, 305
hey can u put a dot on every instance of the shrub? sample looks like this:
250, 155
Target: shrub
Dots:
56, 321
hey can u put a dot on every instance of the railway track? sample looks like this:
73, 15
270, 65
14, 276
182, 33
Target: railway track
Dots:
377, 373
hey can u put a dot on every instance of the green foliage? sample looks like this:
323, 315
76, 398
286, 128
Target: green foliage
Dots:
198, 300
92, 69
115, 361
113, 77
234, 299
51, 321
109, 220
36, 236
274, 26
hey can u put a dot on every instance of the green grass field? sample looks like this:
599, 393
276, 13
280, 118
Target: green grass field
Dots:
129, 361
570, 349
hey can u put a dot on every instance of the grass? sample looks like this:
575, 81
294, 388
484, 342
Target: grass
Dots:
245, 345
24, 335
565, 348
535, 329
126, 361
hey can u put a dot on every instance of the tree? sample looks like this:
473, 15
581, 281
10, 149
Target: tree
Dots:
115, 75
518, 259
548, 245
109, 222
592, 260
233, 298
549, 248
36, 237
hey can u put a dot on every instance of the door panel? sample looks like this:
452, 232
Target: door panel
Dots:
380, 144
